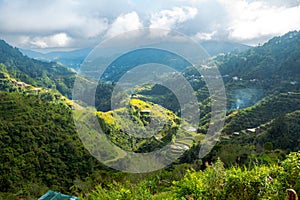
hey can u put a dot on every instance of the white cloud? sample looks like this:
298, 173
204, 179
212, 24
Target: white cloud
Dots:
90, 27
169, 18
44, 17
56, 40
204, 36
32, 23
279, 3
124, 23
258, 19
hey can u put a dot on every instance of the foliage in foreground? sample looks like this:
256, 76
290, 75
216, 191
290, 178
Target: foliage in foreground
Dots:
39, 147
216, 182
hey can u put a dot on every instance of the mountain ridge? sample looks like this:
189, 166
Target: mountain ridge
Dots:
75, 58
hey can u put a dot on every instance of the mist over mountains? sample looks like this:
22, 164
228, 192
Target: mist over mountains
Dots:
74, 58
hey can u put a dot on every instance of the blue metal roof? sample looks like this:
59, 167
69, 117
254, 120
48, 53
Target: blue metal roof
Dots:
52, 195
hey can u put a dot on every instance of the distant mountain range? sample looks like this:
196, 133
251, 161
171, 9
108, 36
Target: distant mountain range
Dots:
214, 48
261, 70
74, 58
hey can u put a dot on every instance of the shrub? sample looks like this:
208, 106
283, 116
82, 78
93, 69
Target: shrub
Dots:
291, 166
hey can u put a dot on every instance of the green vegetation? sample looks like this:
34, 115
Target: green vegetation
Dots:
282, 133
215, 182
33, 72
125, 127
264, 111
272, 63
39, 146
160, 95
255, 158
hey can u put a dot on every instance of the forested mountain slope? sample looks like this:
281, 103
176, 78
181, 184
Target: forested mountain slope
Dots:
39, 146
34, 72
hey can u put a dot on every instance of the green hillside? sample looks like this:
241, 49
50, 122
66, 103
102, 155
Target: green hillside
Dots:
39, 146
119, 127
282, 133
264, 111
145, 127
33, 72
272, 67
277, 59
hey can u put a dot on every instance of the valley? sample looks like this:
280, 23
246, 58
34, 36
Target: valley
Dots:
41, 148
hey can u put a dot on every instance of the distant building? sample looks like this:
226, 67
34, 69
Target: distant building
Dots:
253, 130
250, 130
19, 83
36, 90
145, 111
235, 78
191, 129
134, 96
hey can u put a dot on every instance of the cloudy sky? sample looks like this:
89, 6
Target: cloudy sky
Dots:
71, 24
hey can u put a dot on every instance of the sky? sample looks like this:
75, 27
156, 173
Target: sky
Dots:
72, 24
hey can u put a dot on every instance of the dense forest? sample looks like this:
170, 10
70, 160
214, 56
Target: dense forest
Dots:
257, 156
